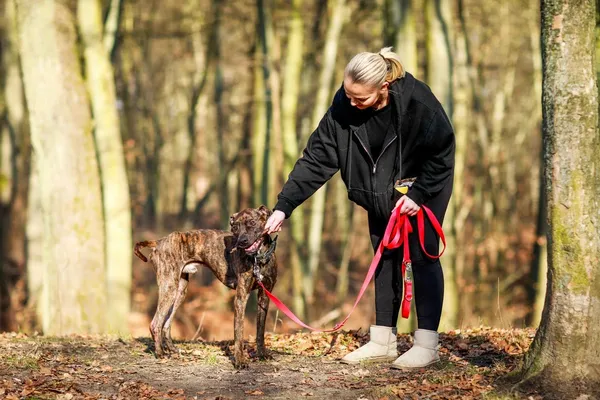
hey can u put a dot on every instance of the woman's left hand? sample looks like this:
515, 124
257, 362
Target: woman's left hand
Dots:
407, 206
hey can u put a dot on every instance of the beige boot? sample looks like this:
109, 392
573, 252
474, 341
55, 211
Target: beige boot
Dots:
381, 346
423, 353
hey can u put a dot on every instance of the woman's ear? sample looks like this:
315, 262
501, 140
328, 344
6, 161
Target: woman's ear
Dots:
385, 86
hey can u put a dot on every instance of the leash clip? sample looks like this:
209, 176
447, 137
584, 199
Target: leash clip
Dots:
408, 271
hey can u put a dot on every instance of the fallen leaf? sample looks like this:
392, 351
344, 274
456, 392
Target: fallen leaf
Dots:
27, 391
254, 392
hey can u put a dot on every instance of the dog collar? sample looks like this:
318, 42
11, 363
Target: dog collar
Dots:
264, 258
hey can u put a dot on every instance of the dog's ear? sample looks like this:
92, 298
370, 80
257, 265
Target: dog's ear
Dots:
266, 211
232, 219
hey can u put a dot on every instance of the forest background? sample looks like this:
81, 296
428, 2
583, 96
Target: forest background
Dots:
174, 115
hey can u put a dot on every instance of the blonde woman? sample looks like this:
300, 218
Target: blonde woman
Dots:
383, 126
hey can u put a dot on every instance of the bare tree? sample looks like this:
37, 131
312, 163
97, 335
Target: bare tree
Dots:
17, 169
290, 94
400, 31
109, 147
339, 14
563, 358
61, 130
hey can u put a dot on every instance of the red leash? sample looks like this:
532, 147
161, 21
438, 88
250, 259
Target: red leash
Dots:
396, 234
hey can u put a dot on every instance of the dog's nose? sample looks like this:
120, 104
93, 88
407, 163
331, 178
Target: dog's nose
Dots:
243, 241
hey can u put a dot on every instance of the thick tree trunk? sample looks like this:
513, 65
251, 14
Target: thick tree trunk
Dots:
338, 17
563, 359
109, 147
289, 103
74, 276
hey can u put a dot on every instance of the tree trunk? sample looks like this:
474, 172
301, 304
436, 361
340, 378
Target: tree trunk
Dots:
347, 220
259, 126
439, 56
440, 76
74, 277
111, 26
109, 147
220, 120
289, 103
34, 231
14, 212
539, 261
400, 31
263, 103
563, 359
338, 17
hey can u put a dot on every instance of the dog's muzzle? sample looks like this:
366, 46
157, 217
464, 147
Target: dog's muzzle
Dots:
248, 246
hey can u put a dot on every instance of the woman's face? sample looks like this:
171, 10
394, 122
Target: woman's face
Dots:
363, 97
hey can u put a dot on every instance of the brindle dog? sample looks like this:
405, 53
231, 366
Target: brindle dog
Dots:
231, 256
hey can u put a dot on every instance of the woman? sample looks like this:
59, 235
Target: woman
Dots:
384, 125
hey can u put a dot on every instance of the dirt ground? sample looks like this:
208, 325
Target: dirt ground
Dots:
303, 365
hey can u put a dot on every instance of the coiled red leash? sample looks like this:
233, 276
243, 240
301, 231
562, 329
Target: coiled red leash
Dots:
396, 234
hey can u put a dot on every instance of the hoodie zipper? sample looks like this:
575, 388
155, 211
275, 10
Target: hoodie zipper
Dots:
374, 170
381, 153
364, 148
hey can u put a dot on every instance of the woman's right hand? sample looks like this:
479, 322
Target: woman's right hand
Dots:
274, 222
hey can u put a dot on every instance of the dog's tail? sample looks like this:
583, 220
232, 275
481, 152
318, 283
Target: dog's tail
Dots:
141, 245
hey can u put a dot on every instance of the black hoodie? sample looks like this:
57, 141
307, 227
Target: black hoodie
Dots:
424, 149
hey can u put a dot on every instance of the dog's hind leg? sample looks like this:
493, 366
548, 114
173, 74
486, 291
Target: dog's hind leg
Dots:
184, 280
261, 317
166, 299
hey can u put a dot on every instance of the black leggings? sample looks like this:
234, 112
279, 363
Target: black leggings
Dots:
428, 287
428, 291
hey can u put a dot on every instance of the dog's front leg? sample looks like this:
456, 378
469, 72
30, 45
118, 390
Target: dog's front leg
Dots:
241, 298
261, 317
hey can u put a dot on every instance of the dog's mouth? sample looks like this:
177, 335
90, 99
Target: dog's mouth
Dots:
253, 248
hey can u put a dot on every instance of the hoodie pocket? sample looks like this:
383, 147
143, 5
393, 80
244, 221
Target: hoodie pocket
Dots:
361, 197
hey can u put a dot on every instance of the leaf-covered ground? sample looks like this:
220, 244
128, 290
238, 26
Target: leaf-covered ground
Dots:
302, 365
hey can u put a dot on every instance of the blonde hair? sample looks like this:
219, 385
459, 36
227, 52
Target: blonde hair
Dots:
374, 69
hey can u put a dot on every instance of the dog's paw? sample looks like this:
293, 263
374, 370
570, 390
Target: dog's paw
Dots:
242, 364
240, 361
161, 354
264, 355
170, 348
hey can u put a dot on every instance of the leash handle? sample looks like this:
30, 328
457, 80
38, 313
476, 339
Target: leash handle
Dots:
396, 234
436, 226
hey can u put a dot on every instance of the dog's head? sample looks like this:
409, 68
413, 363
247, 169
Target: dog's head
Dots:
248, 228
